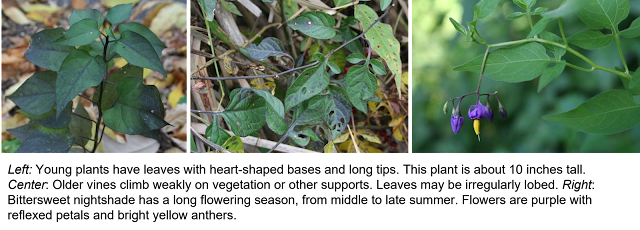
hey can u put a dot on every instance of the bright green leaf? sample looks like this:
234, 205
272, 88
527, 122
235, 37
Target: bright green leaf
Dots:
557, 51
599, 14
484, 8
81, 33
607, 113
37, 94
138, 109
378, 67
230, 7
515, 15
539, 10
315, 24
137, 50
356, 58
458, 27
515, 64
119, 13
39, 139
384, 4
311, 82
569, 7
550, 74
234, 144
633, 31
539, 27
44, 53
79, 71
215, 133
591, 39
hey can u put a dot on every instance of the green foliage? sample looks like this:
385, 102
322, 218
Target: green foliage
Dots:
361, 85
316, 24
311, 82
215, 134
600, 14
269, 47
77, 61
591, 39
209, 7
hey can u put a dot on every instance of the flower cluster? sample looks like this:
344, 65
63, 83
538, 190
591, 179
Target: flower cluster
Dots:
476, 112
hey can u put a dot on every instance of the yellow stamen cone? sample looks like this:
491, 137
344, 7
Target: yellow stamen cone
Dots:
476, 127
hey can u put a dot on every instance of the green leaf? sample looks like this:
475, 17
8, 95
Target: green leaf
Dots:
633, 31
209, 8
599, 14
110, 92
79, 71
49, 119
382, 41
590, 39
215, 134
338, 112
37, 94
304, 137
539, 10
335, 69
81, 33
484, 8
458, 27
10, 146
550, 74
315, 24
356, 58
515, 15
515, 64
39, 139
140, 29
311, 82
339, 57
607, 113
269, 47
78, 15
361, 85
138, 108
230, 7
80, 127
557, 51
634, 83
97, 49
234, 144
290, 8
137, 50
340, 2
44, 53
539, 27
384, 4
568, 7
245, 113
330, 148
220, 34
275, 111
524, 4
353, 47
119, 13
378, 67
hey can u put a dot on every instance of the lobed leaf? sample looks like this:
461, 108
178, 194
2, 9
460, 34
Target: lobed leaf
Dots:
316, 24
44, 53
137, 50
79, 71
37, 95
138, 109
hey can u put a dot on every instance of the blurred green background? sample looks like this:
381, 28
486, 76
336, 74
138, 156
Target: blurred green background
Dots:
438, 48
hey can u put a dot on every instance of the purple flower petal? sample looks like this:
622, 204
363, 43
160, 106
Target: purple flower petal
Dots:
456, 123
477, 111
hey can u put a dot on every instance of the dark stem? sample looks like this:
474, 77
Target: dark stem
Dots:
207, 142
99, 121
83, 117
87, 98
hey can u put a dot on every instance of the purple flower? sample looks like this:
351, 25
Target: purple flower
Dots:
489, 112
478, 111
503, 111
456, 121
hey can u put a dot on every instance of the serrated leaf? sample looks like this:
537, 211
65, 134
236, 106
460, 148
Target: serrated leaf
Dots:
633, 31
550, 74
37, 95
209, 8
607, 113
80, 127
356, 58
515, 15
137, 50
268, 47
234, 144
382, 41
557, 51
81, 33
515, 64
539, 27
44, 53
311, 82
599, 14
316, 24
110, 92
567, 8
140, 29
215, 134
361, 85
484, 8
119, 13
378, 67
590, 39
79, 71
39, 139
338, 112
49, 119
138, 109
78, 15
245, 113
230, 7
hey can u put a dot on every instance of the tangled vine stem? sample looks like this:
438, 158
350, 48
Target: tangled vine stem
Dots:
97, 138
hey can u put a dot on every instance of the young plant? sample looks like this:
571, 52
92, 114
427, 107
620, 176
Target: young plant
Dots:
522, 60
320, 90
77, 59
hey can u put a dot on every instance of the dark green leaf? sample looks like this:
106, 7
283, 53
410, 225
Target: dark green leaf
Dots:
137, 50
80, 127
137, 110
81, 33
634, 84
378, 67
633, 31
339, 57
353, 47
361, 85
516, 64
515, 15
607, 113
539, 27
110, 93
312, 111
97, 49
356, 58
590, 39
269, 47
119, 13
599, 14
42, 52
245, 113
215, 134
315, 24
39, 139
550, 74
230, 7
209, 8
569, 7
37, 94
304, 137
49, 119
338, 112
311, 82
78, 15
275, 111
484, 8
384, 4
158, 45
79, 71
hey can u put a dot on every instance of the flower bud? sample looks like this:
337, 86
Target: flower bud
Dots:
489, 112
503, 111
445, 109
456, 121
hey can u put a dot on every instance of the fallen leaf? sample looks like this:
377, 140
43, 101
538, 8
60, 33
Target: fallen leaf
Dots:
112, 3
169, 16
134, 144
16, 15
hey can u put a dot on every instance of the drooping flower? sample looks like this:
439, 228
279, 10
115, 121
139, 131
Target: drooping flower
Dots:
477, 111
456, 120
489, 112
503, 111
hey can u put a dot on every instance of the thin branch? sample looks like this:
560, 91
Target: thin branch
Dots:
207, 142
87, 98
83, 117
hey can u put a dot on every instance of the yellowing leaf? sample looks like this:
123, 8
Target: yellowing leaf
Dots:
120, 62
112, 3
175, 96
369, 136
396, 121
397, 134
342, 138
229, 65
330, 148
234, 144
169, 16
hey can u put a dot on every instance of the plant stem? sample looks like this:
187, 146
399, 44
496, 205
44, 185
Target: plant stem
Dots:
484, 61
83, 117
213, 52
99, 121
616, 34
287, 31
564, 38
